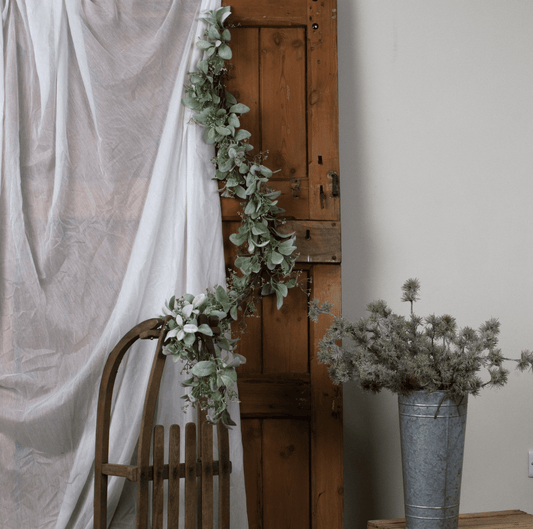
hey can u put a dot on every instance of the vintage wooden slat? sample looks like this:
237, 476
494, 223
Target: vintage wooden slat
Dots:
483, 520
207, 476
294, 198
323, 110
223, 478
190, 476
245, 49
250, 342
283, 87
286, 473
174, 477
158, 482
252, 434
317, 241
132, 473
290, 355
196, 466
287, 395
327, 490
270, 12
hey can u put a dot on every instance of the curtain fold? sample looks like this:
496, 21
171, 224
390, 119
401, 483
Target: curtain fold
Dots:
107, 209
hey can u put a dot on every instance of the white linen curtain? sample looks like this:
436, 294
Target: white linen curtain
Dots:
107, 208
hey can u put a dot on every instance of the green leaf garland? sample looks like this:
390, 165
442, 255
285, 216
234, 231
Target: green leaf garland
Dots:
266, 257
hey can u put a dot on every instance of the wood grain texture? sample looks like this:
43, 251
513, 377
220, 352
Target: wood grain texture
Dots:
285, 333
286, 474
283, 113
223, 478
174, 477
190, 476
316, 241
281, 395
484, 520
252, 436
207, 476
322, 108
294, 198
158, 485
327, 489
244, 81
267, 12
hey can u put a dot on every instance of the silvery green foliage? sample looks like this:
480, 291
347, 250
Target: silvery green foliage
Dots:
386, 350
266, 256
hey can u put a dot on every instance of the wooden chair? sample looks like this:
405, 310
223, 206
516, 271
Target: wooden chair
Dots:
196, 467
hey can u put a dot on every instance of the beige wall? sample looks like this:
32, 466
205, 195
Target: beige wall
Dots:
436, 128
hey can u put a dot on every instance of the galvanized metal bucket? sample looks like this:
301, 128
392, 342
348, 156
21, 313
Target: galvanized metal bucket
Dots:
432, 431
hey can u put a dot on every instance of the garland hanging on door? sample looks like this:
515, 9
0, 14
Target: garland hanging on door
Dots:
266, 257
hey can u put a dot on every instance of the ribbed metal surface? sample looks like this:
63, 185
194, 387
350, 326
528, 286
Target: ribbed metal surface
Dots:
432, 457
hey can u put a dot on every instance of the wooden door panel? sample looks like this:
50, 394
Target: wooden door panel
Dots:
285, 332
284, 68
273, 85
243, 81
286, 474
283, 85
252, 435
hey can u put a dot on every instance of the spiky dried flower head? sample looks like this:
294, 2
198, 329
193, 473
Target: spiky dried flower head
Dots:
410, 289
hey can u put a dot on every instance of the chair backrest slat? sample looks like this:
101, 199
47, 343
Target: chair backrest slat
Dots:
190, 476
158, 483
223, 478
207, 476
174, 477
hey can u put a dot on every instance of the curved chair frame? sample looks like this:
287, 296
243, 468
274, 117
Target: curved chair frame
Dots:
202, 467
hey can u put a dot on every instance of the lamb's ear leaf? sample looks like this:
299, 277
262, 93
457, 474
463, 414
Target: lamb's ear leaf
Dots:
239, 108
204, 368
225, 52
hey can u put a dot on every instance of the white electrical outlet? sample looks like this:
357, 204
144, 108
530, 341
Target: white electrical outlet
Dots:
530, 464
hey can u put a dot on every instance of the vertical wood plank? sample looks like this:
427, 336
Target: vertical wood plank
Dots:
158, 482
253, 470
244, 81
247, 329
283, 100
174, 477
190, 476
207, 476
286, 474
223, 478
285, 333
249, 344
327, 490
323, 109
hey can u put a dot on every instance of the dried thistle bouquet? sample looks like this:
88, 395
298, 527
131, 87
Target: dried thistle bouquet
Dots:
386, 350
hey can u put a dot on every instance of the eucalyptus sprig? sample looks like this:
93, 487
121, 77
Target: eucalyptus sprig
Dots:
266, 256
388, 351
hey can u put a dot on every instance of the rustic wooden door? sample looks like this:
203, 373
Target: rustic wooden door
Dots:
285, 70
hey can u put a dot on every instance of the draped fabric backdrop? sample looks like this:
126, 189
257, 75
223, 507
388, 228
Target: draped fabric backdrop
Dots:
107, 208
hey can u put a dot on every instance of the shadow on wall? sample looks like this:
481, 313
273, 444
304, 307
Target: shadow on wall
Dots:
361, 452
